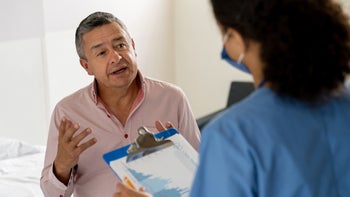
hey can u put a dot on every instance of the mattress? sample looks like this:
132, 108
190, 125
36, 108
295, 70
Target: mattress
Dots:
20, 168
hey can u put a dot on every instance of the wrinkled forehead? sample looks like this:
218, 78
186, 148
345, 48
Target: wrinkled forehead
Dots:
110, 28
105, 33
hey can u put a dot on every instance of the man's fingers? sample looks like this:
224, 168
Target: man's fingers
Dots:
71, 128
169, 125
82, 147
62, 127
70, 145
78, 138
159, 125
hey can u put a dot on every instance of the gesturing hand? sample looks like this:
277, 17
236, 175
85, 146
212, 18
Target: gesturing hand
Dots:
161, 127
69, 148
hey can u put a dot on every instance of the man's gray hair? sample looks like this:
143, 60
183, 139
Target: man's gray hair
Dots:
94, 20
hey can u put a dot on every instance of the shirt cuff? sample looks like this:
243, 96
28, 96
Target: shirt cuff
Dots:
57, 183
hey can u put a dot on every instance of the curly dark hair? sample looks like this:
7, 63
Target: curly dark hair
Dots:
305, 44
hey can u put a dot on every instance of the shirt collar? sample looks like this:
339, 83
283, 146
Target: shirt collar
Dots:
96, 98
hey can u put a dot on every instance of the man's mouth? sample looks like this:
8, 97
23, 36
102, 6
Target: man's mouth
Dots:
119, 71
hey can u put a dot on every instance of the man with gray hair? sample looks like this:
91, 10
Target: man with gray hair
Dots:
106, 114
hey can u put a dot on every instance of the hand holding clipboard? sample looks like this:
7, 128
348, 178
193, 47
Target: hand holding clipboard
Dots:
163, 163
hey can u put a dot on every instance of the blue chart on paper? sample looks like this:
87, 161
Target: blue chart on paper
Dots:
166, 172
168, 177
157, 185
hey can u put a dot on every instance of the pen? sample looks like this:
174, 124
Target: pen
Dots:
128, 182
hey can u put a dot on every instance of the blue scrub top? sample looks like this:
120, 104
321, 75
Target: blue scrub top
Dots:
270, 146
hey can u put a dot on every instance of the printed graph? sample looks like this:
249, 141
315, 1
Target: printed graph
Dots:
160, 177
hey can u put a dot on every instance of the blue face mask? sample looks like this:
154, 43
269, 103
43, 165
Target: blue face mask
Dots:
239, 65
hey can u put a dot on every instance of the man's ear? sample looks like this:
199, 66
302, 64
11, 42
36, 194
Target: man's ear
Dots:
85, 65
133, 46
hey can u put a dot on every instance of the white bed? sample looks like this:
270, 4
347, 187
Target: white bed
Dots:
20, 168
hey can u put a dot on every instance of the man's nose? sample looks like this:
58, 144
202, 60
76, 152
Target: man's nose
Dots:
116, 57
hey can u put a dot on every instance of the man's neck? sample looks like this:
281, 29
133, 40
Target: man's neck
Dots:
120, 101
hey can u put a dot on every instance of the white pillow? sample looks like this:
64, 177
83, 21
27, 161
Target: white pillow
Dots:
10, 148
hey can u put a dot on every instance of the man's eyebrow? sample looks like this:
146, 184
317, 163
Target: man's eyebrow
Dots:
120, 38
95, 46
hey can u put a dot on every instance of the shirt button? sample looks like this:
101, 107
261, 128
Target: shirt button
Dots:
126, 136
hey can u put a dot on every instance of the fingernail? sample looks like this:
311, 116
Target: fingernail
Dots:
76, 125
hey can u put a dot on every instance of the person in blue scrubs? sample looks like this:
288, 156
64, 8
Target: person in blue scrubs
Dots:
291, 136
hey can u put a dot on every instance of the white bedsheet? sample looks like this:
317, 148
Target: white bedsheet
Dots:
20, 168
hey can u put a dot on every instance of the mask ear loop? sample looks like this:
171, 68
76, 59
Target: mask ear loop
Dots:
240, 58
226, 36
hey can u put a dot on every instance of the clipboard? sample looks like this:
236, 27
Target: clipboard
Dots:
163, 163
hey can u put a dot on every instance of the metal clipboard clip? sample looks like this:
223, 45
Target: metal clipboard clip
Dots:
145, 144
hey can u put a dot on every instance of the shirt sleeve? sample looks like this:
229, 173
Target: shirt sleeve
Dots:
51, 186
187, 123
49, 183
225, 168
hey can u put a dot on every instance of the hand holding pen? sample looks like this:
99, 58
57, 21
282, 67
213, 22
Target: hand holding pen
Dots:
127, 189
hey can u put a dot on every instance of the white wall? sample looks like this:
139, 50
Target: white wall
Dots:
23, 111
39, 62
176, 40
199, 69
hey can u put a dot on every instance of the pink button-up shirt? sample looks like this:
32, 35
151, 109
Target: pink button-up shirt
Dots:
156, 100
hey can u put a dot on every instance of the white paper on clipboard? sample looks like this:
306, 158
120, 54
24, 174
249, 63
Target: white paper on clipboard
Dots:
164, 169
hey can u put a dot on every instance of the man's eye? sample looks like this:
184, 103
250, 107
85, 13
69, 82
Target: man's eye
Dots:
121, 46
101, 53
